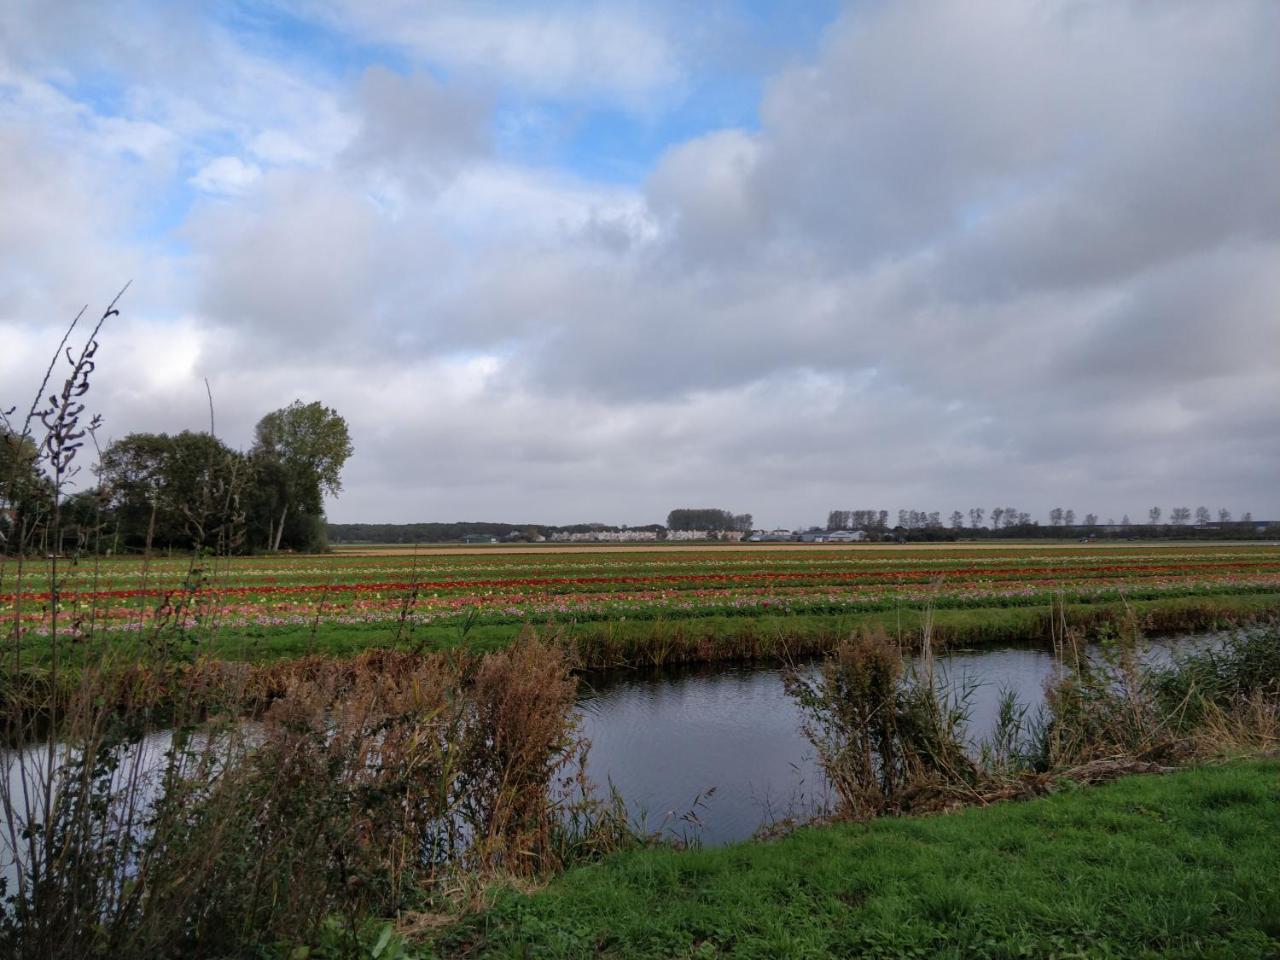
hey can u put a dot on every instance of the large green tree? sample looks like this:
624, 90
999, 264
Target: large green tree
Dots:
174, 491
299, 452
26, 495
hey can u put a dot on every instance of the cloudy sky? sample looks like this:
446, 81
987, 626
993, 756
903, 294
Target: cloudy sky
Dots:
590, 261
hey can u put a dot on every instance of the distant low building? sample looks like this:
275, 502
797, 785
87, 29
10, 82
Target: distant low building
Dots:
773, 536
686, 534
606, 536
845, 536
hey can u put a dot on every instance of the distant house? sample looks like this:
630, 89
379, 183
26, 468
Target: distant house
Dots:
846, 536
627, 536
479, 538
772, 536
606, 536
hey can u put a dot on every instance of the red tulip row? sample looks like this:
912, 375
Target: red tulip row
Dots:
982, 574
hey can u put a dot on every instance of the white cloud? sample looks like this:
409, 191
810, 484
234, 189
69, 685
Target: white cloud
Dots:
703, 188
226, 175
588, 50
972, 253
279, 148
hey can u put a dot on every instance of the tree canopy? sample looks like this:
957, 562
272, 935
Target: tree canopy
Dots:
707, 518
171, 491
192, 490
300, 451
25, 495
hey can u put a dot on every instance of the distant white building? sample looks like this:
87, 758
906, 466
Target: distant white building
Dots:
606, 536
772, 536
627, 536
845, 536
686, 534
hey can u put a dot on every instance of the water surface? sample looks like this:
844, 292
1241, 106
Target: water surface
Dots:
714, 752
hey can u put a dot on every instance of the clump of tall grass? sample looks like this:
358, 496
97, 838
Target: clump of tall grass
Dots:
1246, 664
1098, 702
1227, 696
1106, 700
888, 734
890, 731
358, 793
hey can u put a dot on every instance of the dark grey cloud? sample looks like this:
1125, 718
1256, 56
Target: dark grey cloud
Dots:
413, 128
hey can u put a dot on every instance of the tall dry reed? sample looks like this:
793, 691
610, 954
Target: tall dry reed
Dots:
890, 731
359, 792
888, 734
154, 803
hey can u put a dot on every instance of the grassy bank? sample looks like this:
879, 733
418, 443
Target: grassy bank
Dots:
1180, 865
160, 675
708, 639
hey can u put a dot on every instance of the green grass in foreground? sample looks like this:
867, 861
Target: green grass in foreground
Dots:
1182, 865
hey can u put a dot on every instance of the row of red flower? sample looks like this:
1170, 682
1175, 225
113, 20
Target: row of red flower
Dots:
689, 581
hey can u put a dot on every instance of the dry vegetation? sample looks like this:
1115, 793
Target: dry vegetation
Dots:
891, 735
364, 789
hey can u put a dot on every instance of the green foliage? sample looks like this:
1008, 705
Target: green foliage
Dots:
182, 491
754, 637
707, 518
1219, 677
299, 451
170, 491
310, 440
883, 732
1158, 866
364, 789
26, 496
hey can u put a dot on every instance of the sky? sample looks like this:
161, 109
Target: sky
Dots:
589, 261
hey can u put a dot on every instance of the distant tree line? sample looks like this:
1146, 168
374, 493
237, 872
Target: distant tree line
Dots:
187, 490
711, 520
858, 520
1010, 522
911, 525
450, 532
708, 518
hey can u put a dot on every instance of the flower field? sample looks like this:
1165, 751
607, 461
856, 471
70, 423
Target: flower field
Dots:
479, 587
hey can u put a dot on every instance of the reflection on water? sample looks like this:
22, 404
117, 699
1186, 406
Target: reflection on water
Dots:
725, 744
710, 752
666, 738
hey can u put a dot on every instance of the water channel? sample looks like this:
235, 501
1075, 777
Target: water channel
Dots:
709, 753
715, 752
